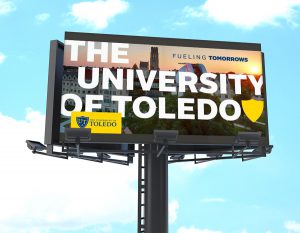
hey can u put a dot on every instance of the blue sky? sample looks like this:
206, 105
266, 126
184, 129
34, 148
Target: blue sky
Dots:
37, 194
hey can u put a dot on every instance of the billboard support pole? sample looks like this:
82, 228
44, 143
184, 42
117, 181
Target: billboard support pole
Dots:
153, 210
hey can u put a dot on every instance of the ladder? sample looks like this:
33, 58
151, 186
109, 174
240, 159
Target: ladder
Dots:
141, 189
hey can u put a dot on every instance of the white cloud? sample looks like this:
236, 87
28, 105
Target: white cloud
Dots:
106, 228
39, 192
6, 7
195, 230
173, 207
189, 11
292, 226
180, 23
98, 13
142, 31
40, 18
2, 57
247, 14
213, 200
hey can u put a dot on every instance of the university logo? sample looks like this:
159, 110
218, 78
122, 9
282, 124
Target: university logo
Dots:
98, 122
253, 108
82, 121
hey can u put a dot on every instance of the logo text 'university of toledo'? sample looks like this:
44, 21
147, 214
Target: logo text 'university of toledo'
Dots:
98, 122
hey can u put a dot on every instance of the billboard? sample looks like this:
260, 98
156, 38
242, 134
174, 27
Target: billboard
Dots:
125, 87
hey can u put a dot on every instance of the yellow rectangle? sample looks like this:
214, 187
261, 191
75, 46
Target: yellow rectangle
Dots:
98, 122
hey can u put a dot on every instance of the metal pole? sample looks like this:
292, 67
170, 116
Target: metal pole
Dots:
156, 180
141, 190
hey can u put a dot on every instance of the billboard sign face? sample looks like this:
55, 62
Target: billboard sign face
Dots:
208, 91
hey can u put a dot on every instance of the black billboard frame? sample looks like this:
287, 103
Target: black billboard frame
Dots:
52, 135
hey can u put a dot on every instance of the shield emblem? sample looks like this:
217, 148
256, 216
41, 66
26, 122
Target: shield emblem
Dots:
253, 108
82, 121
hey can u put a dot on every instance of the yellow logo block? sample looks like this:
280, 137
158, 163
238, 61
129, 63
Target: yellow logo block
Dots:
98, 122
253, 108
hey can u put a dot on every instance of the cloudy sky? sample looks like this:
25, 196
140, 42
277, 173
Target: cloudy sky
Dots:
47, 195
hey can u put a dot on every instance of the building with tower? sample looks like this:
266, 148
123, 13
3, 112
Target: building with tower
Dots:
154, 61
144, 65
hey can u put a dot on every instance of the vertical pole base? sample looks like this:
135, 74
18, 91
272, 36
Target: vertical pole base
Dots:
156, 179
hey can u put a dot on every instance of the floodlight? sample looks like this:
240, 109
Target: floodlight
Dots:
103, 156
269, 149
263, 150
130, 159
177, 156
77, 134
259, 150
248, 136
214, 155
35, 146
248, 139
165, 136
